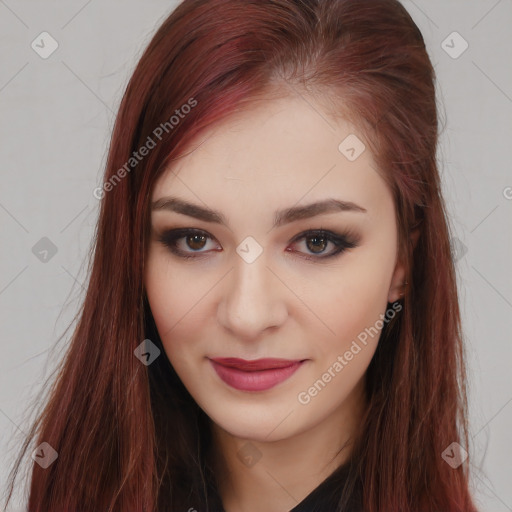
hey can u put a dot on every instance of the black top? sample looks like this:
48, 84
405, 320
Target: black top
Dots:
324, 498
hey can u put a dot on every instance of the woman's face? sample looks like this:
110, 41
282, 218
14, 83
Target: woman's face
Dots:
256, 280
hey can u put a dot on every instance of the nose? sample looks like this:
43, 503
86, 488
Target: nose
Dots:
253, 300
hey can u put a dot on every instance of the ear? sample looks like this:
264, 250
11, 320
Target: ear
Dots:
397, 286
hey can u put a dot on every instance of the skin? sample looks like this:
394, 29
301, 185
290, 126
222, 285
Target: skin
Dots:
274, 155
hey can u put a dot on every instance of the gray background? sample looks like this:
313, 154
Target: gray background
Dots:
55, 123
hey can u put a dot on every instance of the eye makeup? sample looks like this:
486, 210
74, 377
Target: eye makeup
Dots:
181, 242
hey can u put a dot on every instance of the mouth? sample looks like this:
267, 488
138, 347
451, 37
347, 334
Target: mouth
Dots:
255, 375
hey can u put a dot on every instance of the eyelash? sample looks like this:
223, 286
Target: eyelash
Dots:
342, 242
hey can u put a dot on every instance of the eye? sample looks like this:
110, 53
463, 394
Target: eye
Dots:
316, 241
189, 243
194, 239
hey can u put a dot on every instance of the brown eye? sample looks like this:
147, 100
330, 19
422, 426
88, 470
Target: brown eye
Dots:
316, 242
196, 242
186, 243
317, 245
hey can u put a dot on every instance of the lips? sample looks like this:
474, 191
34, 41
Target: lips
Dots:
255, 364
255, 375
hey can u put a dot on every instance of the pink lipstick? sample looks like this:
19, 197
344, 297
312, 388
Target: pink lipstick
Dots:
254, 375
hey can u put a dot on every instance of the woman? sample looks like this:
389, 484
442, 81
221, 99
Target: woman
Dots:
272, 320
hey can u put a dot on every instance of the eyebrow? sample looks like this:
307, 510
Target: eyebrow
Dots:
281, 217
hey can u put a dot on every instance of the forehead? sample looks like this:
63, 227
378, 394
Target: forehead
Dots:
277, 152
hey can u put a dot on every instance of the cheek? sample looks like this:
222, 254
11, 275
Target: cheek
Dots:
356, 298
178, 306
161, 296
182, 311
356, 326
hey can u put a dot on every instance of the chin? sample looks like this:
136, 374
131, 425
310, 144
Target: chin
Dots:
254, 426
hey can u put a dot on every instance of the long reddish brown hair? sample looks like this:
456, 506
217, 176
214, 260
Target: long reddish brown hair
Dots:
129, 437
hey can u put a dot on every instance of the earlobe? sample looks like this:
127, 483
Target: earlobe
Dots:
398, 281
